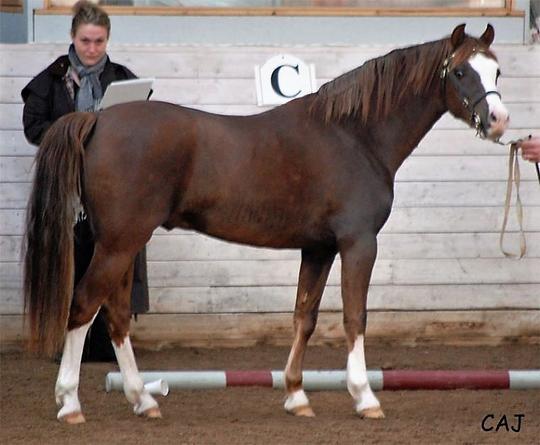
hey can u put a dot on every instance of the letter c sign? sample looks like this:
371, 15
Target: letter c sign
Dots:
283, 78
276, 85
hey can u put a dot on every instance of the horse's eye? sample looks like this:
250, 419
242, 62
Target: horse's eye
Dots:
459, 74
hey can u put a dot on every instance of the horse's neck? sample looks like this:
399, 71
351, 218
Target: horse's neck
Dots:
404, 129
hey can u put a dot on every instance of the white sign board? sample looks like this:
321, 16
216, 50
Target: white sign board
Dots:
282, 78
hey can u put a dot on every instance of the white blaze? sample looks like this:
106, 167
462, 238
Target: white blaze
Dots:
487, 69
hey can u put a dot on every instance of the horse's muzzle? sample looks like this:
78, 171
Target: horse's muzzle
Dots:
497, 123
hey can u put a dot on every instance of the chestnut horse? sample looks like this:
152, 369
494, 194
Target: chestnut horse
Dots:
315, 174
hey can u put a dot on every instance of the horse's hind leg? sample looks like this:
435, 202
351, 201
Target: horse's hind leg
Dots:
313, 275
119, 315
67, 383
357, 259
106, 273
90, 293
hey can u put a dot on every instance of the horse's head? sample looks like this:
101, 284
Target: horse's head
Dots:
470, 74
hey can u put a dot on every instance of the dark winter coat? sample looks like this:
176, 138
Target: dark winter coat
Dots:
47, 98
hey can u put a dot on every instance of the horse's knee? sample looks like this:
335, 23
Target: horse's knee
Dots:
307, 326
354, 326
305, 322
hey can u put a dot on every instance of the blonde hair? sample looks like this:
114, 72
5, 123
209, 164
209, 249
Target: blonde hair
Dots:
87, 13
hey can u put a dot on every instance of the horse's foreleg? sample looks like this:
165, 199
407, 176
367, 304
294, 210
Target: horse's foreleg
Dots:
313, 275
357, 263
119, 314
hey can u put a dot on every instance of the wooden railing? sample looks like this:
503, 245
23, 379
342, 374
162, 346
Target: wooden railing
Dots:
63, 7
11, 5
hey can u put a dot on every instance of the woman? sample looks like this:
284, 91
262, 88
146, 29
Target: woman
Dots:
76, 82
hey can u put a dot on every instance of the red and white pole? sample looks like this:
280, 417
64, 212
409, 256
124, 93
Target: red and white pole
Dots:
325, 380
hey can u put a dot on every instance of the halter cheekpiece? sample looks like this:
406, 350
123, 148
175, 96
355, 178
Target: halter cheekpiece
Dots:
468, 103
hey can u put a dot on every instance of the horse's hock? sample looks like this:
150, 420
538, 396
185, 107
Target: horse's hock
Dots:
439, 276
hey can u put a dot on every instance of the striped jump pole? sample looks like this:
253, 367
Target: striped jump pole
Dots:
325, 380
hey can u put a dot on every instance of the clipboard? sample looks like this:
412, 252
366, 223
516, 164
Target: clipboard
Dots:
122, 91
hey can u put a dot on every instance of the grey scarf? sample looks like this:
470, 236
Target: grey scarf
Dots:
90, 92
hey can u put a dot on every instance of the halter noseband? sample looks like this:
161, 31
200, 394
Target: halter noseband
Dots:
469, 104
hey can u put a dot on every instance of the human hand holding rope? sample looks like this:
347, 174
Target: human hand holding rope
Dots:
530, 148
530, 151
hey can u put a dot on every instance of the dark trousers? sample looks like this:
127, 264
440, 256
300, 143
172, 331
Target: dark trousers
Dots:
97, 346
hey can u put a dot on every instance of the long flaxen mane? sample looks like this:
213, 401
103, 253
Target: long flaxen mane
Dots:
373, 89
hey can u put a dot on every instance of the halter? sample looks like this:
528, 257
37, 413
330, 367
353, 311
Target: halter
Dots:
469, 104
513, 165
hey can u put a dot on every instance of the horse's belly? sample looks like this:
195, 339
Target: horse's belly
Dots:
270, 238
276, 229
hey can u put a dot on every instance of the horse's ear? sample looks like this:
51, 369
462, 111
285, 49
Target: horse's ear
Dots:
488, 36
458, 36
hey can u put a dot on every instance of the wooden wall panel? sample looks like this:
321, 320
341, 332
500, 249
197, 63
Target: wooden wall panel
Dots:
234, 91
204, 61
439, 269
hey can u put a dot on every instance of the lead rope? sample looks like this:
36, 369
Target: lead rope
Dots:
514, 177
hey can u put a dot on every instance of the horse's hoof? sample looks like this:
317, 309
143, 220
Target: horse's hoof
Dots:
372, 413
152, 413
302, 411
73, 418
